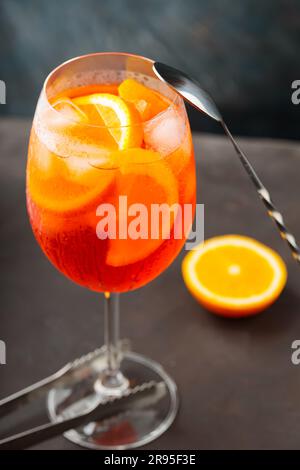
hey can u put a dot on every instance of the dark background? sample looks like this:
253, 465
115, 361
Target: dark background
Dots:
245, 53
238, 387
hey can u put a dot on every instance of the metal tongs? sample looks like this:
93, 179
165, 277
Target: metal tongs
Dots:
138, 397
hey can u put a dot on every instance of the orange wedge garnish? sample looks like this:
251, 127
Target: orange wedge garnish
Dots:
145, 179
234, 275
147, 101
120, 118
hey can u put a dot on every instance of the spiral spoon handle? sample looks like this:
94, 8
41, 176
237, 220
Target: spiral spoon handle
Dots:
265, 196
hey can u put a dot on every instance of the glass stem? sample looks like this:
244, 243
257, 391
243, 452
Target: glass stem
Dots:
113, 381
112, 331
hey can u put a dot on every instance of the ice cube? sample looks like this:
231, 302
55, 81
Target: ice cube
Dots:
85, 158
68, 110
165, 132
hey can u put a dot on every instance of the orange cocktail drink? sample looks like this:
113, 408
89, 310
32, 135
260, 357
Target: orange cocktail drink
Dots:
90, 145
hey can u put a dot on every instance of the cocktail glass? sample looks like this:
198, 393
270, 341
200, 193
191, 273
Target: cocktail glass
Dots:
77, 168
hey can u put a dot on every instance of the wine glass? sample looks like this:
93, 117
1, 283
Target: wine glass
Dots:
108, 138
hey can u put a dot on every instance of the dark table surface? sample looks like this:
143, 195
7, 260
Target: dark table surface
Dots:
237, 384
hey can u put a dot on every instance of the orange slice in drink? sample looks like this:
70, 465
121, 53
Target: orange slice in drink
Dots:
234, 276
147, 101
70, 184
64, 185
68, 197
143, 180
120, 118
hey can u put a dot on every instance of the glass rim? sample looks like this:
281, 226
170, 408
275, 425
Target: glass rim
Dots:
173, 103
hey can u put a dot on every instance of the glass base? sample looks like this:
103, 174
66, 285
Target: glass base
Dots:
133, 427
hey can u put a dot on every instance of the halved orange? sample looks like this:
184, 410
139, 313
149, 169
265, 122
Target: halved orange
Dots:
147, 101
120, 118
234, 275
145, 179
